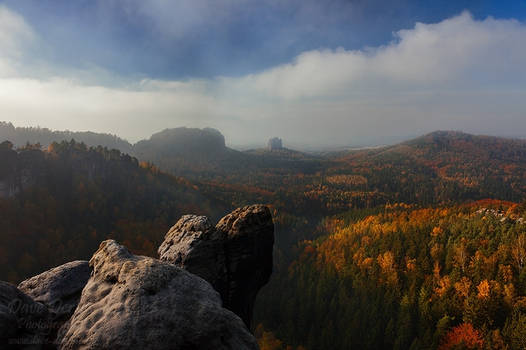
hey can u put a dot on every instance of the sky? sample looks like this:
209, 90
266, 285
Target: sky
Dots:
315, 73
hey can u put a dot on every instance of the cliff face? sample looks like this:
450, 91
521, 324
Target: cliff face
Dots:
196, 297
235, 256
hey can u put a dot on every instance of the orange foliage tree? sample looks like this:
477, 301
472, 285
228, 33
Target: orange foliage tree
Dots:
462, 335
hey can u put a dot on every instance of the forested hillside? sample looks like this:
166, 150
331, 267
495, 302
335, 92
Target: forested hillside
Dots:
195, 153
408, 278
352, 269
377, 275
20, 136
57, 205
443, 166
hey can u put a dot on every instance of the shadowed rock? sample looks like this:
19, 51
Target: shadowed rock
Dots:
235, 256
59, 288
139, 302
22, 321
193, 243
248, 250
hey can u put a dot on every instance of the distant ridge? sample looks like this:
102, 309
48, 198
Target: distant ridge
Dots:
450, 135
458, 161
443, 141
205, 140
453, 162
180, 151
20, 136
458, 142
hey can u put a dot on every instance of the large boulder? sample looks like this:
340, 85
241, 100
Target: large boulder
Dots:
139, 302
194, 244
23, 322
59, 289
235, 256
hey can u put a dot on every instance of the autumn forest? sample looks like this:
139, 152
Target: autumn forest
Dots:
418, 245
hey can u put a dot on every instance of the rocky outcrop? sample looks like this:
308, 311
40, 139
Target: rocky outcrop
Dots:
189, 143
250, 240
235, 256
139, 302
200, 295
22, 320
274, 143
59, 289
193, 243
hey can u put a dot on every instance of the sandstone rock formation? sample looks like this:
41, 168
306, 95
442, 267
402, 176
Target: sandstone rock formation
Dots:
22, 320
120, 301
139, 302
235, 256
250, 240
274, 143
193, 243
59, 289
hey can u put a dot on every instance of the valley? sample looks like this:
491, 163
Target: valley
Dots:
400, 242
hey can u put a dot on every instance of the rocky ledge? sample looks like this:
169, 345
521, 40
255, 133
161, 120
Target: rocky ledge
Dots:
198, 295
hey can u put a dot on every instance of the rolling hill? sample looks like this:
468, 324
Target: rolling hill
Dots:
451, 166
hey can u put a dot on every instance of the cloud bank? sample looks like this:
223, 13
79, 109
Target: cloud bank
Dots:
460, 73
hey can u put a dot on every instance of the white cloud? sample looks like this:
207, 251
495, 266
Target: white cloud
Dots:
460, 73
15, 35
452, 53
14, 31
